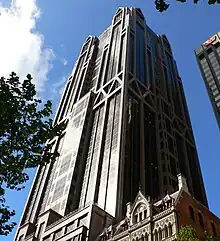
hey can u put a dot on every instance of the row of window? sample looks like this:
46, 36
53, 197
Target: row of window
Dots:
163, 233
67, 229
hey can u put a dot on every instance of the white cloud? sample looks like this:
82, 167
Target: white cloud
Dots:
21, 46
58, 87
64, 61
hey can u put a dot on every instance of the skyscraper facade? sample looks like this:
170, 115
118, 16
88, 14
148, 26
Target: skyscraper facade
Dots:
128, 129
208, 57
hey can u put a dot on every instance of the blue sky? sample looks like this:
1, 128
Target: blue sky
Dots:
59, 29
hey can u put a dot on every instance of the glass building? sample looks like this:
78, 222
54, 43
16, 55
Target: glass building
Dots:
208, 57
128, 128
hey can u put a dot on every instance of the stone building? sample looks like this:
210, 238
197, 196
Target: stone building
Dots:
149, 220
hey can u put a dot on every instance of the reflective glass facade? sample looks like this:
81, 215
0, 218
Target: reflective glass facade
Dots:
128, 128
208, 57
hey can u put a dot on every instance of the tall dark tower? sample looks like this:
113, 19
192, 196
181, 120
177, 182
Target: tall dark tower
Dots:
208, 57
128, 128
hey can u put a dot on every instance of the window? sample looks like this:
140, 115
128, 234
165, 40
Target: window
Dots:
170, 229
82, 220
217, 98
136, 218
166, 231
71, 226
145, 214
58, 192
122, 54
213, 229
191, 213
140, 53
209, 50
201, 56
160, 234
217, 45
155, 236
201, 220
140, 216
131, 54
58, 234
215, 92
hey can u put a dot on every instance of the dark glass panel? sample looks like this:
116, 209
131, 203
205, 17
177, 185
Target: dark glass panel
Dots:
122, 54
140, 54
131, 54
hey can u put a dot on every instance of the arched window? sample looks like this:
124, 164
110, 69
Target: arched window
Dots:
166, 231
142, 238
213, 229
160, 234
146, 237
170, 229
135, 218
201, 220
140, 217
145, 214
139, 213
191, 213
155, 236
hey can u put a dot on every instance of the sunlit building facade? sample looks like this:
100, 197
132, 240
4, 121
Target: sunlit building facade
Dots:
128, 129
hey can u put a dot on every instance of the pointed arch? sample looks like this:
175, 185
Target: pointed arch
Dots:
160, 234
165, 231
146, 237
142, 238
155, 235
170, 229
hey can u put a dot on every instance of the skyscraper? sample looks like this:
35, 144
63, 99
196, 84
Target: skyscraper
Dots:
208, 57
128, 129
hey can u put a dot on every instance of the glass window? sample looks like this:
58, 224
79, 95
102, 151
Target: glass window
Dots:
103, 63
140, 53
114, 53
201, 56
215, 92
131, 54
170, 229
150, 70
58, 192
217, 98
58, 234
122, 54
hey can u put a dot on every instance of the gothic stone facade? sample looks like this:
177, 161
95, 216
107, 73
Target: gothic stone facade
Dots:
147, 220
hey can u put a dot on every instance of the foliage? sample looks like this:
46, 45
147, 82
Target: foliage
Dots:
24, 129
162, 5
188, 233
